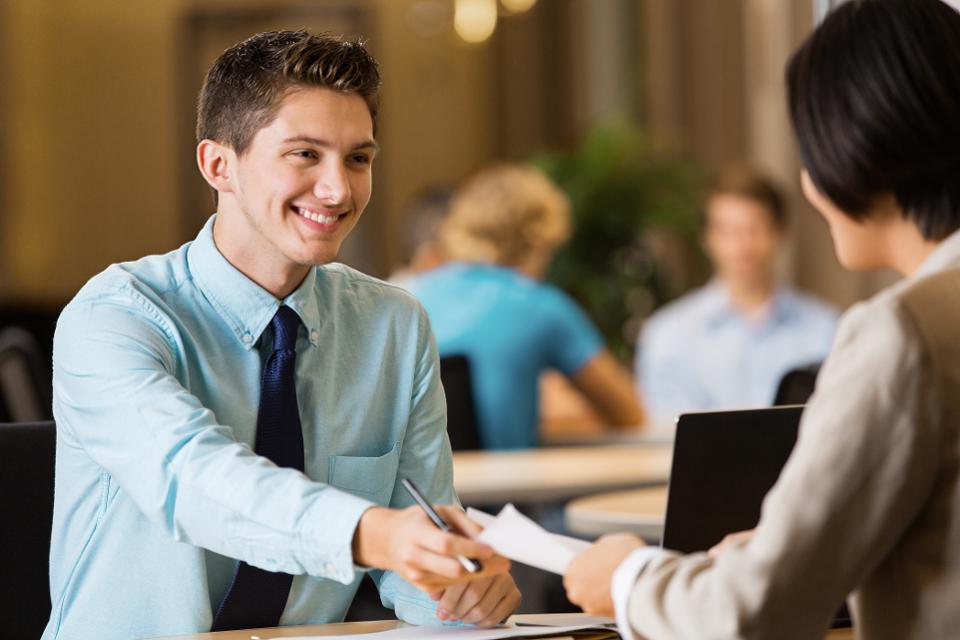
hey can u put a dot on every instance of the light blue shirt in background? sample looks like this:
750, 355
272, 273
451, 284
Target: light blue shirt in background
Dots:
700, 353
157, 368
511, 328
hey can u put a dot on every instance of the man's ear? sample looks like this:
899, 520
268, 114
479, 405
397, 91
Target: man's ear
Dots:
216, 162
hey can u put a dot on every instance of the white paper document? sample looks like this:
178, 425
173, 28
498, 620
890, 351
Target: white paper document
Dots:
452, 633
515, 536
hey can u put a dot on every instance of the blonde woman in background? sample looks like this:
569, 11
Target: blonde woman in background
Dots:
488, 303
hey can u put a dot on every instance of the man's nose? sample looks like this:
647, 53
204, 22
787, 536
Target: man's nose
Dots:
332, 186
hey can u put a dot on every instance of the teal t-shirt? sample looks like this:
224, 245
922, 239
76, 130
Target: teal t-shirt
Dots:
511, 328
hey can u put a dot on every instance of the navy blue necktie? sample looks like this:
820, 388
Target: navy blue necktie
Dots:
256, 598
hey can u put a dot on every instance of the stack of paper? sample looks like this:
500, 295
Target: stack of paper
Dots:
585, 632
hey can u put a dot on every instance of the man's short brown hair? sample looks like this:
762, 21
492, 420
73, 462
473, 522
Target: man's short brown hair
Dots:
245, 86
746, 182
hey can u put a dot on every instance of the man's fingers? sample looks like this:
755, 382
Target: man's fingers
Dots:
431, 571
459, 521
508, 605
508, 602
486, 600
448, 602
475, 593
451, 544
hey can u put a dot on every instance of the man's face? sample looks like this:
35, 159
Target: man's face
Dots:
741, 238
302, 184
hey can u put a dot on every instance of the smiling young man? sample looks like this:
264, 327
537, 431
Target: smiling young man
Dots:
234, 416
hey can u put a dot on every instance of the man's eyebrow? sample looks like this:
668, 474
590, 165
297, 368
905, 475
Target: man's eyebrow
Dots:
318, 142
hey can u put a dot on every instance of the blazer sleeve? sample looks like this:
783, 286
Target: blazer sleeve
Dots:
865, 460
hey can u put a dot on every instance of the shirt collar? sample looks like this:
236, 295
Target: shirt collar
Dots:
946, 255
245, 306
719, 309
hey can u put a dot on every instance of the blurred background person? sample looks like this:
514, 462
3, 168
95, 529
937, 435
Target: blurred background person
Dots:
729, 343
488, 304
421, 219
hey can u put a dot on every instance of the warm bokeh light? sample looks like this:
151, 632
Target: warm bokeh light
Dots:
475, 20
518, 6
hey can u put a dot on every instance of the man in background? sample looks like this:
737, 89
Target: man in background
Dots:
729, 343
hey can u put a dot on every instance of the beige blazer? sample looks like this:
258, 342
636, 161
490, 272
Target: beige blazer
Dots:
868, 503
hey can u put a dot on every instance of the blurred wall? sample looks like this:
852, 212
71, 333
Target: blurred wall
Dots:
96, 125
715, 92
84, 84
93, 153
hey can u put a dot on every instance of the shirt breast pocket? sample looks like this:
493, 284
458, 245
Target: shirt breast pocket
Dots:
372, 478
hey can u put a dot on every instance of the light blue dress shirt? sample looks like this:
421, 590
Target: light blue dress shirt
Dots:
511, 328
157, 368
700, 353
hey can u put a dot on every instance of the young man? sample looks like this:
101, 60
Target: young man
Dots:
234, 417
728, 344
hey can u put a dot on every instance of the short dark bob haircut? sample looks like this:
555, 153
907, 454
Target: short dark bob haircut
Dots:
874, 95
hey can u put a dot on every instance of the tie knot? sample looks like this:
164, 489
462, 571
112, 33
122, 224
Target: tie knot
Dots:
285, 324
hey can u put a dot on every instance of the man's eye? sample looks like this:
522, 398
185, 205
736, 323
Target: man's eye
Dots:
306, 153
360, 158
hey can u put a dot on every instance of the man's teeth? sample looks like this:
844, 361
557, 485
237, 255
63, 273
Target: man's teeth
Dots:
316, 217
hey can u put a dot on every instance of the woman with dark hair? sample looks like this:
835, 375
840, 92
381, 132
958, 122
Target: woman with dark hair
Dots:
869, 501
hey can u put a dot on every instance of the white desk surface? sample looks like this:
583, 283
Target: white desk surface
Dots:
555, 474
639, 511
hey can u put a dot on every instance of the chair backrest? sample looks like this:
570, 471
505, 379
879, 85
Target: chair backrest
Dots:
461, 409
26, 500
796, 386
24, 378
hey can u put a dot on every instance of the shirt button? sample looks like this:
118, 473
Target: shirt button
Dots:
247, 338
314, 335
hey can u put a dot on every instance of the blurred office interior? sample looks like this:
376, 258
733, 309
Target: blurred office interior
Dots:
638, 97
97, 116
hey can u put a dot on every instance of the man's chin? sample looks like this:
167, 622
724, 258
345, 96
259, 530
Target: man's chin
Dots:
315, 253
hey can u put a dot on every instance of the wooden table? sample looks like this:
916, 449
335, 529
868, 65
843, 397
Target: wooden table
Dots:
371, 627
536, 476
638, 511
342, 628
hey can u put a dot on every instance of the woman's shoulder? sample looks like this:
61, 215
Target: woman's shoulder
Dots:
932, 304
915, 313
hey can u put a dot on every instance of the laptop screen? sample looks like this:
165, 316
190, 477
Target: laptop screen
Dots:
724, 463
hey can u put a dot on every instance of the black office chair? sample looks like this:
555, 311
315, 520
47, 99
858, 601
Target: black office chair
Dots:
25, 377
462, 426
797, 385
26, 501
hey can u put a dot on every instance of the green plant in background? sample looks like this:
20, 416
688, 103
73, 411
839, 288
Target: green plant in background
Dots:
626, 202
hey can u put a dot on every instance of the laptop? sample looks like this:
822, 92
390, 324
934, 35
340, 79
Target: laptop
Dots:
724, 463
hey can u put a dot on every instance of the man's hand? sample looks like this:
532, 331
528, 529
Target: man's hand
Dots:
406, 542
484, 602
588, 577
